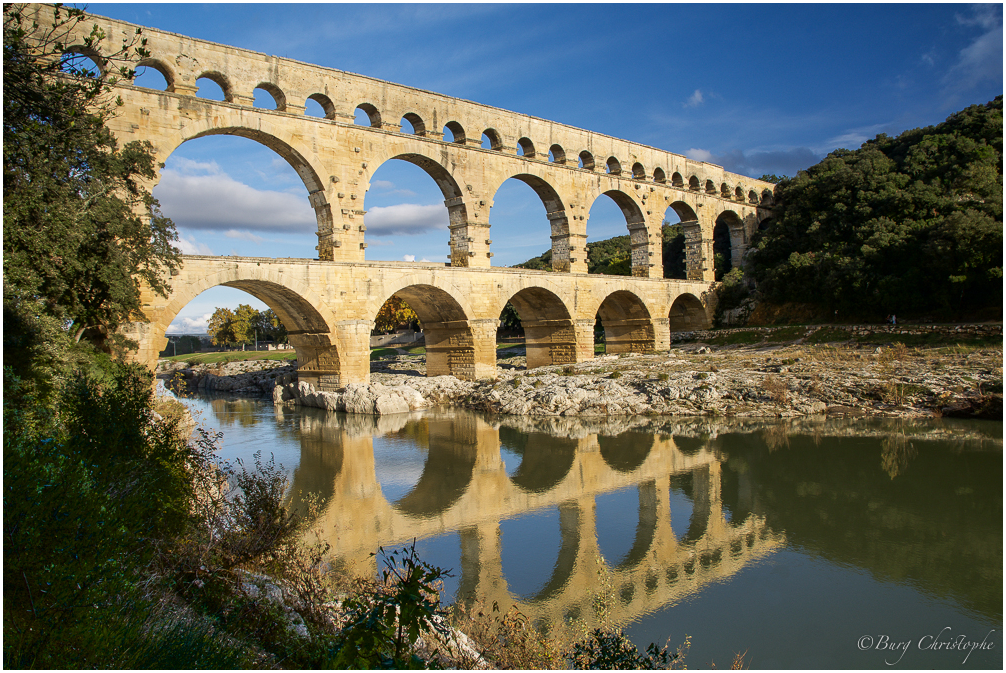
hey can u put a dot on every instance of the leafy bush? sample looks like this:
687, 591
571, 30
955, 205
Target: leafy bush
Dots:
381, 630
611, 650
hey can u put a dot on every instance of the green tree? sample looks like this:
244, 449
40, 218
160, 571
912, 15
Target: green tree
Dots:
221, 328
911, 224
270, 327
509, 318
394, 313
246, 321
81, 232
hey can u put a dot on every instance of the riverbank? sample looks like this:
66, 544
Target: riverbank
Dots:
761, 379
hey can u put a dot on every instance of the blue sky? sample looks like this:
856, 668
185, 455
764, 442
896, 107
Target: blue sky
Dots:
755, 88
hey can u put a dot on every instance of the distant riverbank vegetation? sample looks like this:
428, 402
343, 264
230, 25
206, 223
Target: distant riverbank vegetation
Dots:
911, 225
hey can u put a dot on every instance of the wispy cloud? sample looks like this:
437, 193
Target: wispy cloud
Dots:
699, 155
189, 325
980, 61
695, 99
243, 235
199, 195
190, 246
405, 218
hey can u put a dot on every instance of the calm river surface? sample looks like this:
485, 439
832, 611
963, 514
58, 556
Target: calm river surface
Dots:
808, 544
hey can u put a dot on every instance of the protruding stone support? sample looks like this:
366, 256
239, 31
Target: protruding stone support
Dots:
661, 334
340, 223
482, 566
584, 338
151, 342
643, 264
707, 506
469, 235
353, 337
629, 336
318, 361
569, 248
698, 252
738, 244
550, 342
462, 348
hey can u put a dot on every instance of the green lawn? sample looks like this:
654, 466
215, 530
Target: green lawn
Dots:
233, 356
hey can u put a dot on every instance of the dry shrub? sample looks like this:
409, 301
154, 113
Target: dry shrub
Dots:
896, 453
777, 388
776, 436
507, 640
896, 353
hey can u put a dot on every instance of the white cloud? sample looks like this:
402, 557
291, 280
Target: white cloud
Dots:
405, 218
382, 184
187, 325
409, 258
980, 61
243, 235
198, 195
853, 138
699, 155
190, 246
695, 99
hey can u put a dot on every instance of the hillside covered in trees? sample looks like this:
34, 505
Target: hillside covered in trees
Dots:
613, 256
911, 225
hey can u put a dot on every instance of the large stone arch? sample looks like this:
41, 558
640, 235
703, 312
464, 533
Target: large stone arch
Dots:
447, 473
456, 343
549, 330
570, 525
545, 459
646, 526
627, 322
565, 243
635, 222
698, 251
307, 165
307, 318
454, 199
687, 314
738, 236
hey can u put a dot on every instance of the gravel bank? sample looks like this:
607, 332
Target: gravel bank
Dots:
787, 380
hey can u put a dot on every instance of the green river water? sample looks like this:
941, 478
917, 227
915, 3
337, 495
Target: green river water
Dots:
805, 543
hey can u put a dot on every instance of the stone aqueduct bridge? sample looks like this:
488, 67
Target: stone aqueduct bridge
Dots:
465, 488
567, 167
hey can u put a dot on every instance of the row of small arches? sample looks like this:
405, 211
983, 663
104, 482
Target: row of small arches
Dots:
454, 132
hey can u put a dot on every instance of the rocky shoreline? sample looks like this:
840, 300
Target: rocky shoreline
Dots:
757, 381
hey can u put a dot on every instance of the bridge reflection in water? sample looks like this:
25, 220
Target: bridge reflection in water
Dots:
565, 464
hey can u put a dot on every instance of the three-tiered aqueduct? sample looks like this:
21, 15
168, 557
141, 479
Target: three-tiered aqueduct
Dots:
329, 304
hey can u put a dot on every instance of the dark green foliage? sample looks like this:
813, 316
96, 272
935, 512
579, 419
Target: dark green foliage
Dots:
509, 318
673, 251
542, 262
732, 291
773, 178
72, 234
382, 628
613, 256
85, 492
611, 650
906, 225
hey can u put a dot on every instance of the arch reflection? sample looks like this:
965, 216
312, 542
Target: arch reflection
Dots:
568, 467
